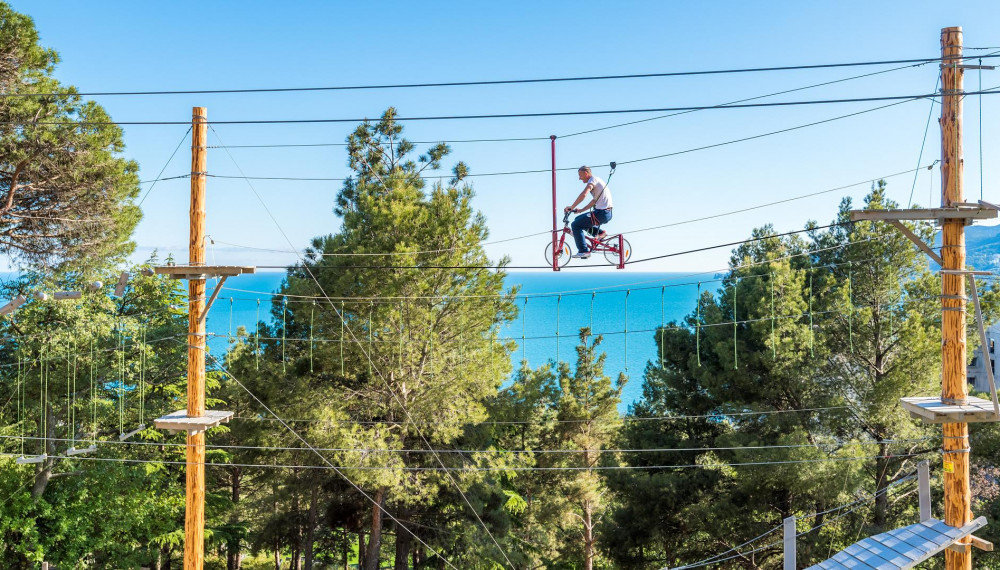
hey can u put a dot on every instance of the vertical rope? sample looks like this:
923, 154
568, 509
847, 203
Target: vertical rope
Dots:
230, 318
627, 293
142, 379
121, 380
343, 317
371, 311
592, 295
256, 351
524, 315
558, 302
697, 330
774, 344
736, 358
284, 336
20, 395
69, 408
312, 316
663, 329
42, 364
401, 323
850, 305
93, 392
812, 344
923, 143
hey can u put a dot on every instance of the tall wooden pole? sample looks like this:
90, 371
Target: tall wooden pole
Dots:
957, 495
194, 518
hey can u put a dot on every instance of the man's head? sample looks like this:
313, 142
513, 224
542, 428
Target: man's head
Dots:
584, 173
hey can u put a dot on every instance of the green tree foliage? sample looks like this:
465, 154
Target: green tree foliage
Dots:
80, 373
409, 351
65, 191
829, 334
559, 419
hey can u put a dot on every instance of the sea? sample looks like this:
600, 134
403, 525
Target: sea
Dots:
625, 308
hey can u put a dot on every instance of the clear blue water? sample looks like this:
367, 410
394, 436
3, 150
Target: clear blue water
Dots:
552, 308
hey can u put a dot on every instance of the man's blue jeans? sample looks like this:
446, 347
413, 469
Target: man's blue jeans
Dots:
585, 222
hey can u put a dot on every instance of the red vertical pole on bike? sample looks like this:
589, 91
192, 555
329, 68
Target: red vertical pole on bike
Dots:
621, 251
555, 250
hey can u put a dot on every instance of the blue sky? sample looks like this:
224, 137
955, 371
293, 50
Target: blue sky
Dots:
110, 46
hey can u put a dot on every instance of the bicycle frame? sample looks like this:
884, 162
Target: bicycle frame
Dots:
613, 245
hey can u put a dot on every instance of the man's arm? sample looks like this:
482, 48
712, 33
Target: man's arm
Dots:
580, 198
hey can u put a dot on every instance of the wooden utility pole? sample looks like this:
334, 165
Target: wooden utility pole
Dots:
954, 389
194, 514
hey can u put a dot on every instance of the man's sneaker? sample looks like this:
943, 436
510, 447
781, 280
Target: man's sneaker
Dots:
582, 255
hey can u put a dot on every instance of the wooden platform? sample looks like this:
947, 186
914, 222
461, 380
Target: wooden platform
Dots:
180, 421
933, 411
967, 213
202, 271
902, 547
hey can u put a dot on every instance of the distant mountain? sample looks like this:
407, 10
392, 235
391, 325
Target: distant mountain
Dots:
982, 247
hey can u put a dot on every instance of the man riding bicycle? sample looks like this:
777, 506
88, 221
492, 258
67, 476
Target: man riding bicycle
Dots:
601, 203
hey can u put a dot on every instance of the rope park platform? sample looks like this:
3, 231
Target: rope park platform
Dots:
904, 547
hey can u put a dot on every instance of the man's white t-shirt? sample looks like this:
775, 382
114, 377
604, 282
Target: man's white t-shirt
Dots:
602, 194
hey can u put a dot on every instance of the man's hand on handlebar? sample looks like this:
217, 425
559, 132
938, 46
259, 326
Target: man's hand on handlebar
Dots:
568, 209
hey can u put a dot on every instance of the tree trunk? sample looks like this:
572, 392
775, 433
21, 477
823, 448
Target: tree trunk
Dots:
311, 528
588, 536
404, 542
277, 555
881, 476
234, 558
375, 540
361, 549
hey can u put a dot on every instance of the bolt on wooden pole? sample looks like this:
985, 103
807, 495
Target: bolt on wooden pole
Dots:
957, 495
194, 517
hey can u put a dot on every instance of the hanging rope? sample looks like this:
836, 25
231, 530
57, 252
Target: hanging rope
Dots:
142, 379
592, 295
284, 336
524, 315
627, 293
850, 307
343, 317
371, 310
558, 302
736, 358
69, 405
812, 346
697, 326
401, 330
230, 317
312, 317
663, 324
774, 345
93, 393
20, 395
121, 380
256, 351
980, 129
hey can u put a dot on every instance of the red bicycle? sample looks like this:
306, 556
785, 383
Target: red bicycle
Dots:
616, 248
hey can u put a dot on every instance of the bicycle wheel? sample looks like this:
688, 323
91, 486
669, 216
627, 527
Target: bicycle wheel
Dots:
564, 255
611, 251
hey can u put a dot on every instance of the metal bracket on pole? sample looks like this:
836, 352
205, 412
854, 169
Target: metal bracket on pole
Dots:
916, 240
982, 339
789, 543
924, 485
215, 293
